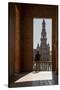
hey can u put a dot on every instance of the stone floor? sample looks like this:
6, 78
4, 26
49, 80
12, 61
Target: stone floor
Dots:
35, 79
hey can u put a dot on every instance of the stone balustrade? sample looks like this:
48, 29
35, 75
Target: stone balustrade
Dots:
44, 65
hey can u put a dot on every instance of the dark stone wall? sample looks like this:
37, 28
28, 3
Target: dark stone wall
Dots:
11, 41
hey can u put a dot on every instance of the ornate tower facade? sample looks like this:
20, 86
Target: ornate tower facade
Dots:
44, 47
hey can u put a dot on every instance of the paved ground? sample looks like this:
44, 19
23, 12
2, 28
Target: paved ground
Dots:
35, 79
34, 76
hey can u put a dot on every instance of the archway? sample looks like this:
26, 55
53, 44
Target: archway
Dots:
21, 36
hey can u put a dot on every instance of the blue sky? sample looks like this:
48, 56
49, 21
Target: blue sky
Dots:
37, 29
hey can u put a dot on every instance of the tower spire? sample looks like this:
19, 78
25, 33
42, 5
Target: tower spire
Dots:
43, 33
43, 25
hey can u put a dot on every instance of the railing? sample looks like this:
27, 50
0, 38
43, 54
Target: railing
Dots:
43, 66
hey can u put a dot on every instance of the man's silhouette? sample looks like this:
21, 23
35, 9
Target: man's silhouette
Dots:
37, 60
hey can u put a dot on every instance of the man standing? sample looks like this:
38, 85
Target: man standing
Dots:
37, 60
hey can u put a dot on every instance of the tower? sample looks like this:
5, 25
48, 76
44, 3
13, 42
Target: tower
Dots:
44, 47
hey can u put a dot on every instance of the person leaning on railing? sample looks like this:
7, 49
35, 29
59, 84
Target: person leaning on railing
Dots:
37, 60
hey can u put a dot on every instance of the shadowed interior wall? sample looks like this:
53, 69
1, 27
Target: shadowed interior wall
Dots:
14, 41
11, 42
26, 41
17, 40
